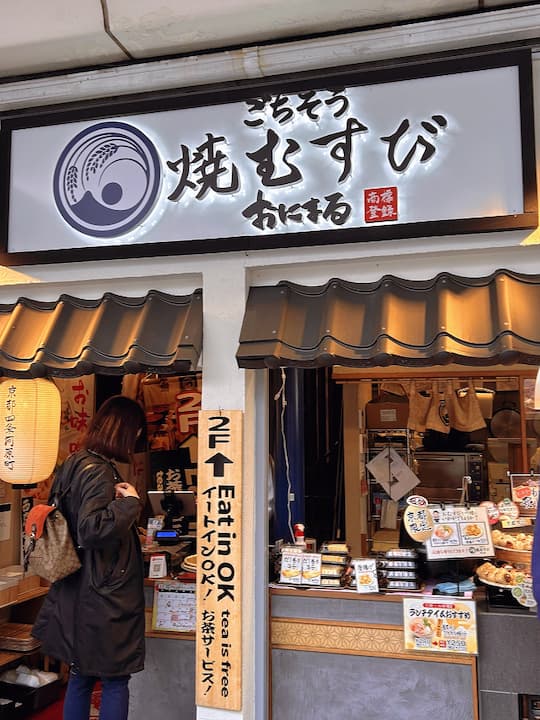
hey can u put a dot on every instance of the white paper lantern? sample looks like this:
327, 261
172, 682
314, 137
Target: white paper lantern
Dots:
30, 421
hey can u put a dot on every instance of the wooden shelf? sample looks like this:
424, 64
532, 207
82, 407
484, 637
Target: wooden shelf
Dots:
9, 657
24, 597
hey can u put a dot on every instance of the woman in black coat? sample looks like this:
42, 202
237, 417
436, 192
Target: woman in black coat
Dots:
94, 619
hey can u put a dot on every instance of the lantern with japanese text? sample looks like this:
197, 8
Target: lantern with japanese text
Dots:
30, 421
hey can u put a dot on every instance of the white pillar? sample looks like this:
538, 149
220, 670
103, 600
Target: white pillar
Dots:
226, 386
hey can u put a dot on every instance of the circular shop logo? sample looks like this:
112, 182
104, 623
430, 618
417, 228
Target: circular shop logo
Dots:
107, 179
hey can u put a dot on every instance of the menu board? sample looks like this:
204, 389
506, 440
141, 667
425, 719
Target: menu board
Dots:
440, 625
365, 573
459, 532
174, 607
525, 490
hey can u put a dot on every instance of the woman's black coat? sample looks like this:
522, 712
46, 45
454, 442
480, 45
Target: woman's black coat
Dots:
94, 619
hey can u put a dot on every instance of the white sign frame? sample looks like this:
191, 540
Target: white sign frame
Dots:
446, 107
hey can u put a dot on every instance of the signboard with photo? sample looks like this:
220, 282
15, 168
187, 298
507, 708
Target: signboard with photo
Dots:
438, 624
459, 532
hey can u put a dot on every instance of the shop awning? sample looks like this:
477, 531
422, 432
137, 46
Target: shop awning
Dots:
415, 323
112, 335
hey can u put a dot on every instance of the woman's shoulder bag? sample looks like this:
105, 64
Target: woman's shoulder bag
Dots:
49, 550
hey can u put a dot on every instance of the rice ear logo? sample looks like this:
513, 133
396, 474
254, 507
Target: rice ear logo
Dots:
107, 179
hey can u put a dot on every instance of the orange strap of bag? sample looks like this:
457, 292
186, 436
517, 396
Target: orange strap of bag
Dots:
35, 520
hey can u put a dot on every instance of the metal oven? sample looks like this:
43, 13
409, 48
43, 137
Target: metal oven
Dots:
441, 475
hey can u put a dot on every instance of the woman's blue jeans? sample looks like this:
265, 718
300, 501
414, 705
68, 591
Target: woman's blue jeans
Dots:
114, 697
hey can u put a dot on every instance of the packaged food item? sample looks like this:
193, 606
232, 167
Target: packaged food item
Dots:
334, 546
402, 585
335, 559
396, 564
399, 574
330, 582
331, 570
409, 553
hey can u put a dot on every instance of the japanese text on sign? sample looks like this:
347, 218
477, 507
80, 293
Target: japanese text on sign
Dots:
447, 625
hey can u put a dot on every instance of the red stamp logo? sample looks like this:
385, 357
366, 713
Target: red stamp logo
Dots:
380, 204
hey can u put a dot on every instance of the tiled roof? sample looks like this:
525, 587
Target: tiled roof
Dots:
112, 335
415, 323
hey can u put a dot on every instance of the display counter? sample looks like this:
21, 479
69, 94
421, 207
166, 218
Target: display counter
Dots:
341, 654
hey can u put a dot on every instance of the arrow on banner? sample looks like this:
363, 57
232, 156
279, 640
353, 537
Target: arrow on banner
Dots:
218, 461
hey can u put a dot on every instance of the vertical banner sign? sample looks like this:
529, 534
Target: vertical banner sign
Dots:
219, 564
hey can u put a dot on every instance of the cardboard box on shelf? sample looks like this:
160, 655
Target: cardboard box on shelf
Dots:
384, 540
387, 415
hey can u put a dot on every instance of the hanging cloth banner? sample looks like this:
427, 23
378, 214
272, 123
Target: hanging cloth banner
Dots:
464, 409
437, 417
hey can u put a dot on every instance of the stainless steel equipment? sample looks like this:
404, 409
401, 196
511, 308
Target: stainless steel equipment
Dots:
441, 475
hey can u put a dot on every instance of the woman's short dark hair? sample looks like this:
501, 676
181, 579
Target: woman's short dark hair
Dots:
116, 428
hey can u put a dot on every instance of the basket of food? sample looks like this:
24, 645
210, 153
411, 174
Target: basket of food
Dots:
514, 548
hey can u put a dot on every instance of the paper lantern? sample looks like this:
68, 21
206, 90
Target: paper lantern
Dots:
30, 421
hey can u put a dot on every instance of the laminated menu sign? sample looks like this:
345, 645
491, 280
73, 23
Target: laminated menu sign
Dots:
300, 568
311, 569
174, 607
291, 567
525, 490
459, 532
440, 625
365, 573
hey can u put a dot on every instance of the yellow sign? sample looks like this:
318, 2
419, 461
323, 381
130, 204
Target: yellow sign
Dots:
418, 522
440, 624
218, 670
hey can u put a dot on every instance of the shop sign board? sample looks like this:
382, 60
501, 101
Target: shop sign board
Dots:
437, 624
218, 670
408, 151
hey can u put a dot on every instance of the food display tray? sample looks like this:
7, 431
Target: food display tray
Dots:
494, 584
521, 558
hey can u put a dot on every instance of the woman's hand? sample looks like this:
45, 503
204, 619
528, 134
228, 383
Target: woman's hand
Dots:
125, 489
